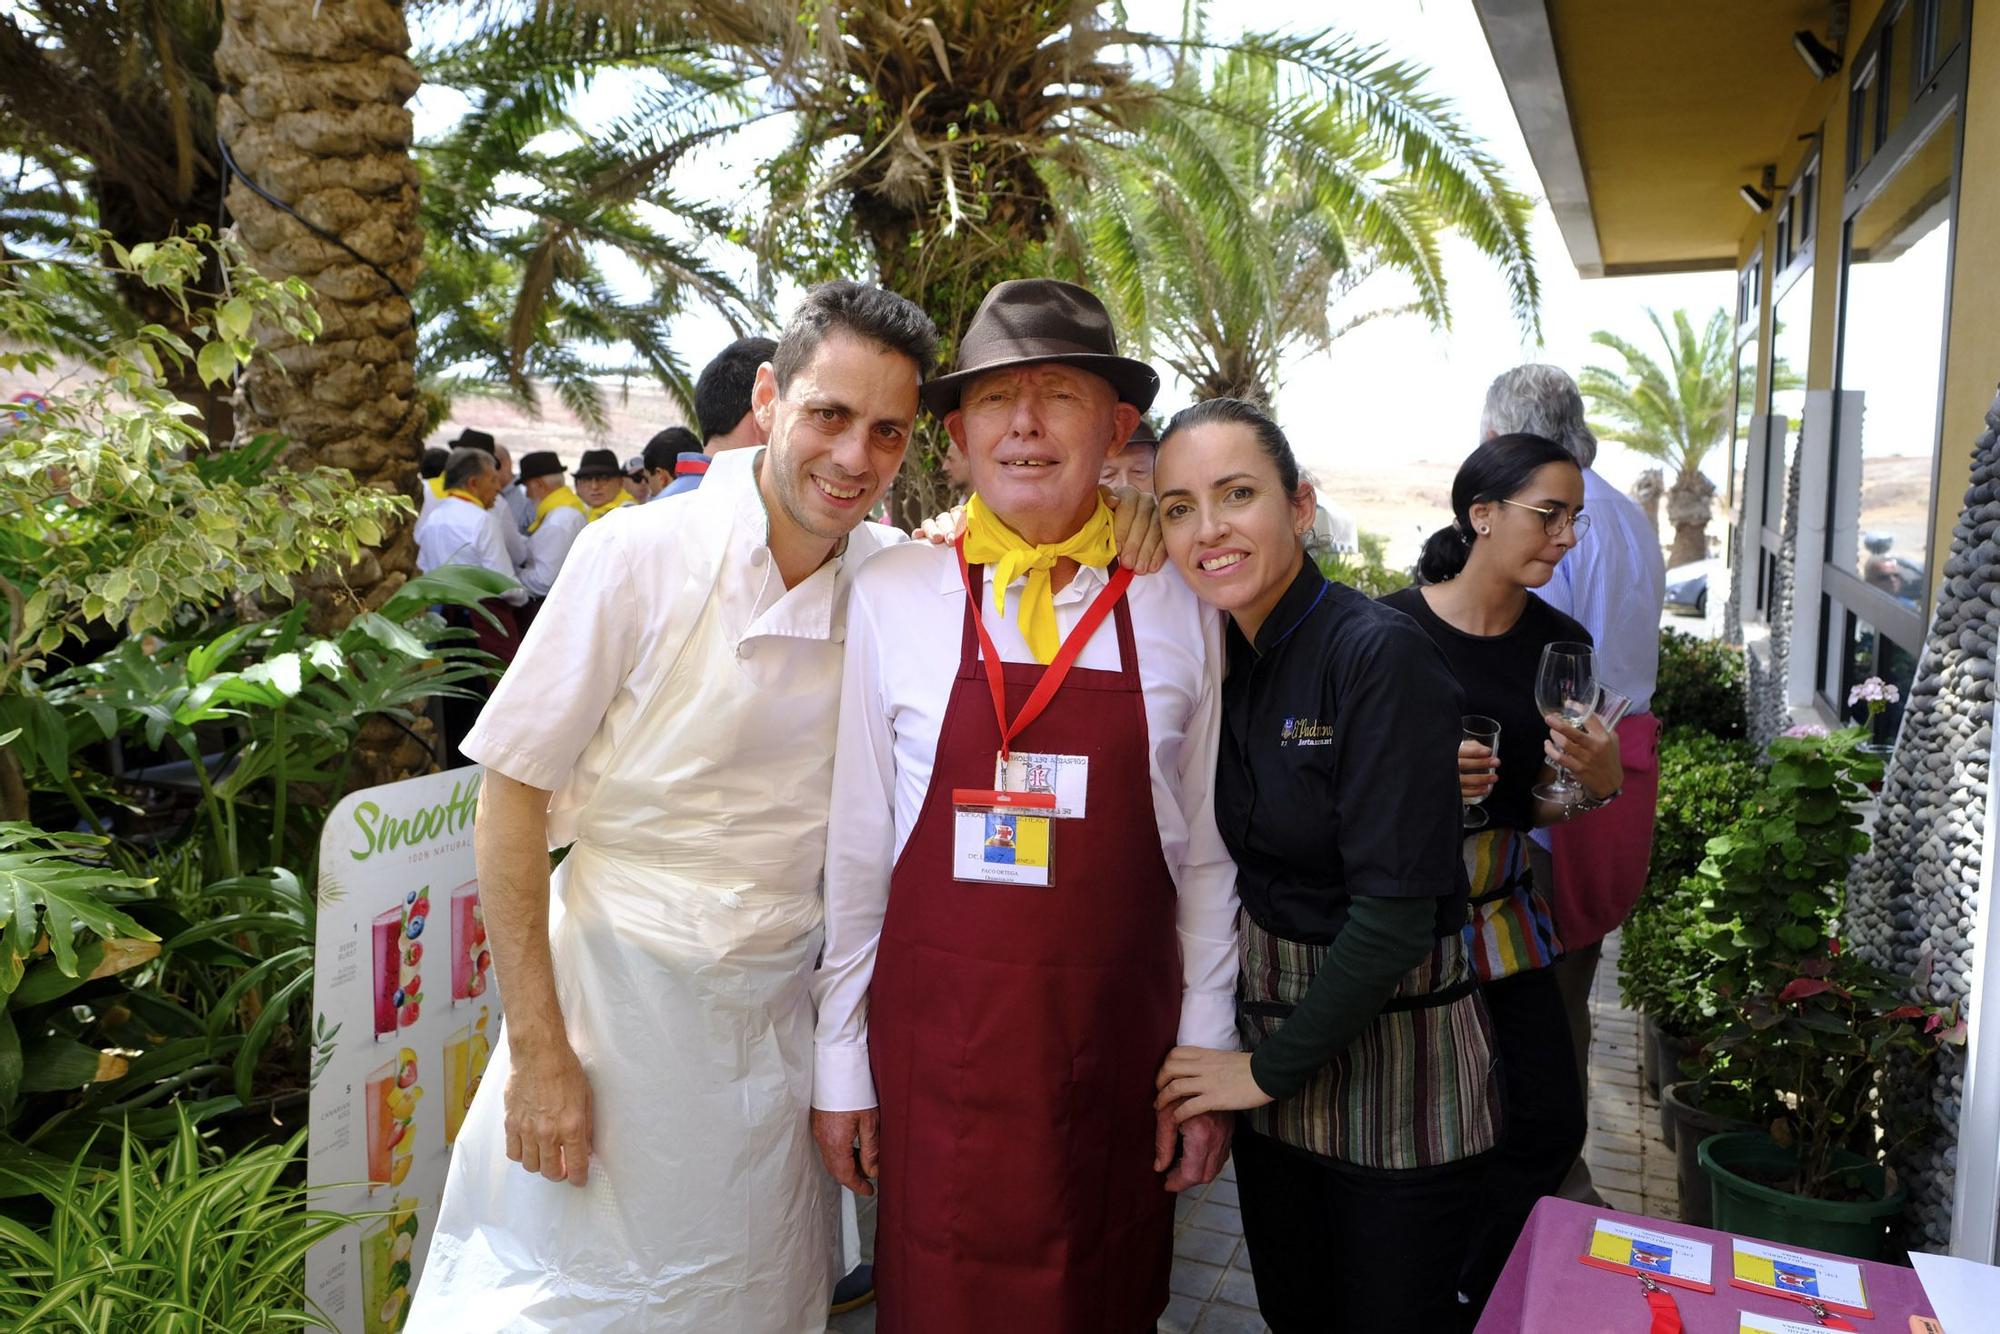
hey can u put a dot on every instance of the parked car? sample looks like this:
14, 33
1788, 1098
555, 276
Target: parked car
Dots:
1687, 586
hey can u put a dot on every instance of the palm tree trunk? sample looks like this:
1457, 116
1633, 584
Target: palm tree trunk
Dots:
1690, 505
312, 112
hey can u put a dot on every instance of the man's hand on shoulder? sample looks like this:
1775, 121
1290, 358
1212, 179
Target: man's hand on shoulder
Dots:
548, 1111
850, 1144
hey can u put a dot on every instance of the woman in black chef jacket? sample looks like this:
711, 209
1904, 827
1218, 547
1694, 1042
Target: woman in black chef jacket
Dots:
1369, 1086
1517, 510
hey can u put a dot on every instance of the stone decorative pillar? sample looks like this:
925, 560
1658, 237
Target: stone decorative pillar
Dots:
1909, 903
312, 112
1769, 685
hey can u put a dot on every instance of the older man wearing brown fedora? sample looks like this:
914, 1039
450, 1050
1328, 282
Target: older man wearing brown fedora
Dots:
1027, 737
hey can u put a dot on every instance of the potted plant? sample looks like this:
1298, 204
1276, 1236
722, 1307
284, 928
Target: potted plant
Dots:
1875, 695
1815, 1033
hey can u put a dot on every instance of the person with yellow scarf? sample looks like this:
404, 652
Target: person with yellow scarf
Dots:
993, 1009
600, 481
560, 515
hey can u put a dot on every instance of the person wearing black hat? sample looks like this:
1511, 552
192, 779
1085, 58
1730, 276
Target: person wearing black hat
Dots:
991, 1019
1131, 464
512, 495
600, 481
559, 514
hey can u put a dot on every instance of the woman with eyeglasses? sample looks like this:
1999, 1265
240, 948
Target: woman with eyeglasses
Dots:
1517, 510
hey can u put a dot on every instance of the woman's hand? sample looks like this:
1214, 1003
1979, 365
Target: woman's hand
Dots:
1194, 1080
1478, 771
1589, 752
941, 530
1135, 529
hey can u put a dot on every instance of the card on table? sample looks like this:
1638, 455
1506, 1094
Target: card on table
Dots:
1754, 1323
1836, 1284
1662, 1256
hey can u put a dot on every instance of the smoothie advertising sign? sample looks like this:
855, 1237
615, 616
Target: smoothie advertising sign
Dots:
405, 1012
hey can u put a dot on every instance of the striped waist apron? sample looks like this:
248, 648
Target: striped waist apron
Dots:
1417, 1088
1509, 928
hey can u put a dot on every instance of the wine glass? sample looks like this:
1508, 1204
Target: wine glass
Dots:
1486, 732
1566, 685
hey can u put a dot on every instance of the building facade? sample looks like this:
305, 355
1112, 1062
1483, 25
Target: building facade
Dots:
1844, 160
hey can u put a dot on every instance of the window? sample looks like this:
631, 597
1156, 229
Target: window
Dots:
1891, 372
1898, 208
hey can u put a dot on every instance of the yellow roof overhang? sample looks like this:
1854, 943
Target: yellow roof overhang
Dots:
1645, 119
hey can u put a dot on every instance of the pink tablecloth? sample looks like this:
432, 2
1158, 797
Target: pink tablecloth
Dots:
1546, 1288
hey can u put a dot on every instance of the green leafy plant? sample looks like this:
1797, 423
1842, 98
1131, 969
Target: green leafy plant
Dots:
1811, 1030
1663, 967
1701, 686
174, 1238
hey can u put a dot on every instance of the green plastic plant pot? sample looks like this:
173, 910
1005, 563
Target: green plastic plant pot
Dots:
1857, 1228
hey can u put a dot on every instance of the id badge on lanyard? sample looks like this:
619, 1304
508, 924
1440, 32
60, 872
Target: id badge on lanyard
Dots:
1005, 834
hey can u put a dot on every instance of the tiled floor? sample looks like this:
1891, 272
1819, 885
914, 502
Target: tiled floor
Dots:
1631, 1168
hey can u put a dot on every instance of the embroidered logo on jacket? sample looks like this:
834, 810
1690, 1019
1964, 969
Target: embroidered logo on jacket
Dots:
1306, 732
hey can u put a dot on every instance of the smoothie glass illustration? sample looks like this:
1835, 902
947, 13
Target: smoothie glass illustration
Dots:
391, 1095
471, 960
465, 1056
396, 937
386, 1245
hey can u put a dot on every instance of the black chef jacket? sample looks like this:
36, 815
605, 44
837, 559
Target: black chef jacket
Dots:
1338, 771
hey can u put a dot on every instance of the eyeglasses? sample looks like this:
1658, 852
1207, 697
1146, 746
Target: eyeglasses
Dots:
1556, 518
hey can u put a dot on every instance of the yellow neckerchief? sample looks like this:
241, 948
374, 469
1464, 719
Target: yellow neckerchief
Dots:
554, 501
465, 495
597, 512
991, 542
436, 484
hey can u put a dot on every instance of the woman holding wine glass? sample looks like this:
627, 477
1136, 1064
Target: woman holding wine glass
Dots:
1517, 510
1369, 1083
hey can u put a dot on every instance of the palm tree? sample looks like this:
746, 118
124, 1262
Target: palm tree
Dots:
514, 295
107, 115
324, 191
1675, 413
932, 139
1273, 231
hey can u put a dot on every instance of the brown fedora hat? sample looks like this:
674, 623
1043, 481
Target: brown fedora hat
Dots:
1032, 321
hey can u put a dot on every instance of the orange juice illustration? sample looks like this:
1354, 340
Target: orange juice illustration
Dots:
391, 1095
471, 960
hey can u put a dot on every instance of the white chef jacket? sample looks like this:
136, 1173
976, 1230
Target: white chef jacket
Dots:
1614, 582
566, 702
457, 532
905, 621
548, 545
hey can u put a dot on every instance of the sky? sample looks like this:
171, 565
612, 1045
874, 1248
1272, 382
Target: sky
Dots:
1394, 389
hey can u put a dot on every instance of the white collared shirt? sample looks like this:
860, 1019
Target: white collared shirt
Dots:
548, 545
455, 531
603, 640
1615, 583
905, 621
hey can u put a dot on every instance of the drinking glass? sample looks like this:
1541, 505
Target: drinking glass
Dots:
1566, 685
1612, 707
1485, 731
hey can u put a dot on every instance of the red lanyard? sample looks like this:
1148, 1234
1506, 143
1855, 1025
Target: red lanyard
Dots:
1052, 676
1666, 1312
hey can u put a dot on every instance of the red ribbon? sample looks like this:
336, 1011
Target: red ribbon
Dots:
1058, 668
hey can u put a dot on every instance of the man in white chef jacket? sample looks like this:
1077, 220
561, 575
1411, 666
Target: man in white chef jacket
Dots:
638, 1156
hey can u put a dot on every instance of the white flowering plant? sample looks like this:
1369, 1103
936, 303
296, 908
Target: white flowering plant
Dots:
1876, 693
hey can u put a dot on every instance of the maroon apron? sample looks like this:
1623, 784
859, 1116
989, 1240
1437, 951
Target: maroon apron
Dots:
1015, 1032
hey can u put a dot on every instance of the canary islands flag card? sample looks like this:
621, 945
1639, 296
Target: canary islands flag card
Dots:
1834, 1284
1001, 838
1661, 1256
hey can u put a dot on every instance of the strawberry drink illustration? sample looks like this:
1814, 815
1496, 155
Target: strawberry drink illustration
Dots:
471, 959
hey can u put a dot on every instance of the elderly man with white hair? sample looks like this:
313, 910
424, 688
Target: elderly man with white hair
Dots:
1615, 584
